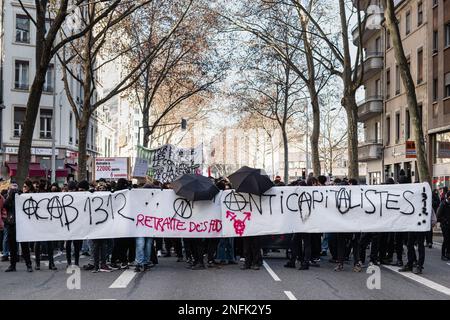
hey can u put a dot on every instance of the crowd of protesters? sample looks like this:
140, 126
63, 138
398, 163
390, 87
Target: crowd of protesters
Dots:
305, 250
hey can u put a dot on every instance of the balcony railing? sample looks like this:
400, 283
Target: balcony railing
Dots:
373, 64
370, 150
370, 107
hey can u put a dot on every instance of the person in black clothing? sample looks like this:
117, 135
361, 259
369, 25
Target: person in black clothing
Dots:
443, 216
77, 244
436, 201
10, 223
252, 252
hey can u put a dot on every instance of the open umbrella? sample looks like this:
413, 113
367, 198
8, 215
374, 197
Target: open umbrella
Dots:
194, 187
250, 180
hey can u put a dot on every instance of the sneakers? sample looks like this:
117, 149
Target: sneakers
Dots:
405, 269
52, 267
89, 267
114, 266
124, 266
11, 269
304, 266
357, 267
148, 266
159, 254
289, 265
138, 268
105, 268
444, 258
418, 270
314, 263
198, 267
339, 267
5, 258
255, 267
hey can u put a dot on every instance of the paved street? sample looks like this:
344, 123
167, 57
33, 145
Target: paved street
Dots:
171, 281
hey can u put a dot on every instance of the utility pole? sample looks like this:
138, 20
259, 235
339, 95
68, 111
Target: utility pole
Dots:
53, 165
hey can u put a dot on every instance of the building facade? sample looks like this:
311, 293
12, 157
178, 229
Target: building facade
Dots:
55, 121
389, 143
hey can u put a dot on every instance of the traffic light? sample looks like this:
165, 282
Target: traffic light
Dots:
183, 124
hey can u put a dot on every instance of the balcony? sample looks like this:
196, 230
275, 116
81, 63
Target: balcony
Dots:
373, 65
373, 22
369, 108
363, 4
369, 150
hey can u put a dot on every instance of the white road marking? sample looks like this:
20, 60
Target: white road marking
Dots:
290, 295
428, 283
270, 271
123, 280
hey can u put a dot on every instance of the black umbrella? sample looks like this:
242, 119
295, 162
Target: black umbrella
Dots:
194, 187
250, 180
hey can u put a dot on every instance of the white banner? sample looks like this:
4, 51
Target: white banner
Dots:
161, 213
111, 168
169, 162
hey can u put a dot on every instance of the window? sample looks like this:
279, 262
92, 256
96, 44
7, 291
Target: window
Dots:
420, 66
447, 34
378, 45
21, 74
46, 124
435, 89
397, 127
419, 13
388, 130
378, 87
388, 40
397, 80
407, 125
70, 128
377, 132
49, 85
22, 29
19, 117
408, 22
447, 84
435, 41
388, 83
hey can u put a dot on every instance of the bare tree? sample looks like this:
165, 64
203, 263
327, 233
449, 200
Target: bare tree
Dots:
392, 25
47, 45
82, 60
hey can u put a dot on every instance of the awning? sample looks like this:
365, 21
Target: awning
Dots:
34, 170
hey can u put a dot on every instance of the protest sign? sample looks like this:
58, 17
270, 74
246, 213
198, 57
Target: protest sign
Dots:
140, 168
169, 162
280, 210
111, 168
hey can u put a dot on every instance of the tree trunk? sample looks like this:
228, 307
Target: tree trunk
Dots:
391, 23
349, 102
26, 138
311, 83
286, 155
82, 152
145, 124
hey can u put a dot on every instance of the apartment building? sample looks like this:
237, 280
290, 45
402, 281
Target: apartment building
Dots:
438, 77
18, 64
388, 145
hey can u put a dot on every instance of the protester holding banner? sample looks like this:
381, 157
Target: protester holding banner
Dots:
10, 223
77, 244
49, 245
443, 216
